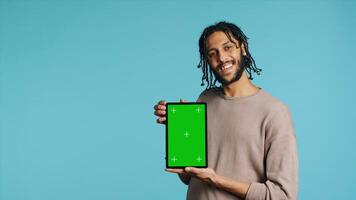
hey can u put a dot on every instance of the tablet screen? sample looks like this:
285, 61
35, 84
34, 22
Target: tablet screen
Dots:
186, 135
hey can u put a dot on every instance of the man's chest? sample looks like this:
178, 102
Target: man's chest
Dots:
234, 125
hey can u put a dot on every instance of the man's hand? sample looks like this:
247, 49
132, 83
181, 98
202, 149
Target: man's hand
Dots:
160, 111
207, 175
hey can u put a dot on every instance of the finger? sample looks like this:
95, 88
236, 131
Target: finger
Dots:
162, 102
161, 120
159, 107
192, 170
178, 171
160, 113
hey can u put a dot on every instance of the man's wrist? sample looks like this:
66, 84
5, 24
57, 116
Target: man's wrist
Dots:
214, 180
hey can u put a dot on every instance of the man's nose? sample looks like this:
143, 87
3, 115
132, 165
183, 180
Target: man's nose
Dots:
223, 57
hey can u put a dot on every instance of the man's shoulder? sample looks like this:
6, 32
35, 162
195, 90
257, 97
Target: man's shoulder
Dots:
264, 100
208, 93
271, 103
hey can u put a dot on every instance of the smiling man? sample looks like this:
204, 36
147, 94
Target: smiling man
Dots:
252, 147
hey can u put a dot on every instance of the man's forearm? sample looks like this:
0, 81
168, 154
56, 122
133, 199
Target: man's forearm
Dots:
235, 187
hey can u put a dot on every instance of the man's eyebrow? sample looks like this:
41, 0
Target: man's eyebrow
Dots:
231, 42
225, 43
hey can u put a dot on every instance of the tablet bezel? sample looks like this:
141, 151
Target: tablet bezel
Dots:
206, 135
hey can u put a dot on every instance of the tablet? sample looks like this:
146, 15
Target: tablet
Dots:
186, 135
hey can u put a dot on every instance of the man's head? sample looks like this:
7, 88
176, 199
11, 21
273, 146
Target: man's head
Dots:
223, 47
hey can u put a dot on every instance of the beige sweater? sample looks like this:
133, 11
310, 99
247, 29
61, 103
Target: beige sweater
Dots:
250, 139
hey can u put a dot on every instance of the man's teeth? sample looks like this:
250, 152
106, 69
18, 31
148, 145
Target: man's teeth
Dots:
226, 66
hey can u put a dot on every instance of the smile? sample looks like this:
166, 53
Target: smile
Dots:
226, 68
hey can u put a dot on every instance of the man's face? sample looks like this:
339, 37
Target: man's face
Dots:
225, 57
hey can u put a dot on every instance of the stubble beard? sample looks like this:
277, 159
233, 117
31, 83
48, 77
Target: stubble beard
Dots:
239, 71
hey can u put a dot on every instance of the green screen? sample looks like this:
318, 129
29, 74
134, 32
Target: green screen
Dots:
186, 134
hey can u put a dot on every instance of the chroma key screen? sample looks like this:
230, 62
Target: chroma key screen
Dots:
186, 135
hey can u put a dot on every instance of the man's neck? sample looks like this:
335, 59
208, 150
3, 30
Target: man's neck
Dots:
241, 88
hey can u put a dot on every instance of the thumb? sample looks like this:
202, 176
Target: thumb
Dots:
190, 170
182, 100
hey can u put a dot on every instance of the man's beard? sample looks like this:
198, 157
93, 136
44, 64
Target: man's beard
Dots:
239, 71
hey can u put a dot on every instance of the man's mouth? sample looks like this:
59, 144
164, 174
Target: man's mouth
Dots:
226, 68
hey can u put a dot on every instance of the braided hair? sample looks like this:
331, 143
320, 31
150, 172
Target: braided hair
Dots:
230, 30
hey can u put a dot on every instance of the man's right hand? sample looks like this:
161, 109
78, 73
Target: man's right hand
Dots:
160, 111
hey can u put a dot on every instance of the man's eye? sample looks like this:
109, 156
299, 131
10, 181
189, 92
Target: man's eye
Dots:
211, 54
228, 47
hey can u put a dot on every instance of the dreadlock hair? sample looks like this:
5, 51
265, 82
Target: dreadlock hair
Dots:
230, 30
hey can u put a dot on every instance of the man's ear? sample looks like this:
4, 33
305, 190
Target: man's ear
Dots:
243, 49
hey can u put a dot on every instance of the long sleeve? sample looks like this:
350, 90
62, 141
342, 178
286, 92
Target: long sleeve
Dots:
184, 178
281, 161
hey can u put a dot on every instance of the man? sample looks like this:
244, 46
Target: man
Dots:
252, 147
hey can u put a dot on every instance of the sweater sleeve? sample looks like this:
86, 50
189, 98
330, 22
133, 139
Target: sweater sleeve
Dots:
281, 161
185, 178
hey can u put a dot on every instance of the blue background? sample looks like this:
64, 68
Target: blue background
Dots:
79, 80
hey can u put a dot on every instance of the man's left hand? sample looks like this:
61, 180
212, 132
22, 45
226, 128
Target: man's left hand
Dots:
204, 174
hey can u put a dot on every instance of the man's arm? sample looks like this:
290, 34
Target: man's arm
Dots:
235, 187
281, 160
208, 175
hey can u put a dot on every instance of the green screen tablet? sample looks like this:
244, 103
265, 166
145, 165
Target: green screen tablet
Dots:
186, 135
